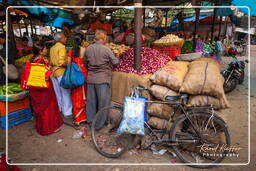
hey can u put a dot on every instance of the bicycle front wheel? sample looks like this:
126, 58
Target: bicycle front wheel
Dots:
200, 139
106, 139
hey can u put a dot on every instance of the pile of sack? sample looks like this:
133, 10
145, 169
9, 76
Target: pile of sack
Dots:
201, 79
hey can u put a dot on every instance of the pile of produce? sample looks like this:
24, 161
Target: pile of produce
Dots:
208, 48
187, 47
13, 88
151, 61
25, 59
169, 40
117, 49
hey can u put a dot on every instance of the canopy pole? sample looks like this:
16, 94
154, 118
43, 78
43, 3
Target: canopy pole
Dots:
20, 29
51, 29
220, 25
31, 27
144, 16
166, 18
214, 21
9, 31
195, 28
137, 31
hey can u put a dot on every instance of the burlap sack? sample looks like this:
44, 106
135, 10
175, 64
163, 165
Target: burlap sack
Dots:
172, 75
203, 78
209, 60
163, 111
160, 92
158, 123
202, 100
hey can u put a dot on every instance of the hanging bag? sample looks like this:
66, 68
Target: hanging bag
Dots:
13, 73
35, 75
133, 116
73, 77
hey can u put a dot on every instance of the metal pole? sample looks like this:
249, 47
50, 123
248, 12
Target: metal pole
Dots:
196, 26
220, 25
214, 22
31, 27
9, 31
20, 29
166, 18
144, 16
51, 29
137, 31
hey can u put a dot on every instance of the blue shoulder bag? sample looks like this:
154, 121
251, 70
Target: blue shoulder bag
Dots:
73, 77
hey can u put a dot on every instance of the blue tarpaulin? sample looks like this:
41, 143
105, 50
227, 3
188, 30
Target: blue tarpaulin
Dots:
51, 16
250, 3
189, 19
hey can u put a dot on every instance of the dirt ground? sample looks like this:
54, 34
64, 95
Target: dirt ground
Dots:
26, 146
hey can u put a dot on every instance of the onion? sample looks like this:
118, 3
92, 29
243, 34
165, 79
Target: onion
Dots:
151, 61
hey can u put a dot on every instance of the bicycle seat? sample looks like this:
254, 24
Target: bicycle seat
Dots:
173, 98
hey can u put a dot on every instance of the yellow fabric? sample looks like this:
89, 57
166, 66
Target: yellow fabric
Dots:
58, 59
36, 76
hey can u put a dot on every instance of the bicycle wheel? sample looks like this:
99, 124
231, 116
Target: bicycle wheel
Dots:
194, 135
106, 139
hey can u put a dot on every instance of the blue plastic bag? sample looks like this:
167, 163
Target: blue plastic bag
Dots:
133, 116
73, 77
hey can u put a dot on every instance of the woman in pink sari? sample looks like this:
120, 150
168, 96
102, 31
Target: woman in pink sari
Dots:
44, 102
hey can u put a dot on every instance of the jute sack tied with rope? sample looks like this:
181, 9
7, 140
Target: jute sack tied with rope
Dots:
171, 76
203, 78
158, 123
163, 111
202, 100
160, 92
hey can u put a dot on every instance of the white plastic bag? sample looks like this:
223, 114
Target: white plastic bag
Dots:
133, 116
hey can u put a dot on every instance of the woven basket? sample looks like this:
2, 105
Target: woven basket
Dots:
163, 45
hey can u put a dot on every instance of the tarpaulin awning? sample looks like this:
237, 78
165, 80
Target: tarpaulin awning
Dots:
51, 16
189, 19
250, 3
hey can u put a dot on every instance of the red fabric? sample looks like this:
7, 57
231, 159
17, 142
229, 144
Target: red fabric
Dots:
132, 31
45, 107
79, 93
21, 47
5, 167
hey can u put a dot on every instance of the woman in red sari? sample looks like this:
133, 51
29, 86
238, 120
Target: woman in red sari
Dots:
44, 102
76, 55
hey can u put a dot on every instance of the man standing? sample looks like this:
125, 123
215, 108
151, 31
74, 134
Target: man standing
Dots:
99, 60
59, 62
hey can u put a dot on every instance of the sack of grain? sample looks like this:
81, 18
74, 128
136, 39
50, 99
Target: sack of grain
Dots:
158, 123
209, 60
163, 111
202, 100
172, 75
160, 92
203, 78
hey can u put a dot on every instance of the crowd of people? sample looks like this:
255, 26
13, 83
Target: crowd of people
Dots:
58, 105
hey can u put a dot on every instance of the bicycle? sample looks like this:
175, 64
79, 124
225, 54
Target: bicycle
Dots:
194, 128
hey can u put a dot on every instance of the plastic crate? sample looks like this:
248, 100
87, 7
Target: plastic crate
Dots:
14, 106
16, 118
172, 51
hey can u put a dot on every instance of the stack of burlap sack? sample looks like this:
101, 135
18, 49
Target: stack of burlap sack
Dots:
200, 79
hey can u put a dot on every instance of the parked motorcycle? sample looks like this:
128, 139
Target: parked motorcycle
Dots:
234, 74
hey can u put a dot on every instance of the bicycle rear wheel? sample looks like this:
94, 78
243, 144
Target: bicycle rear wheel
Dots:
106, 139
197, 137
